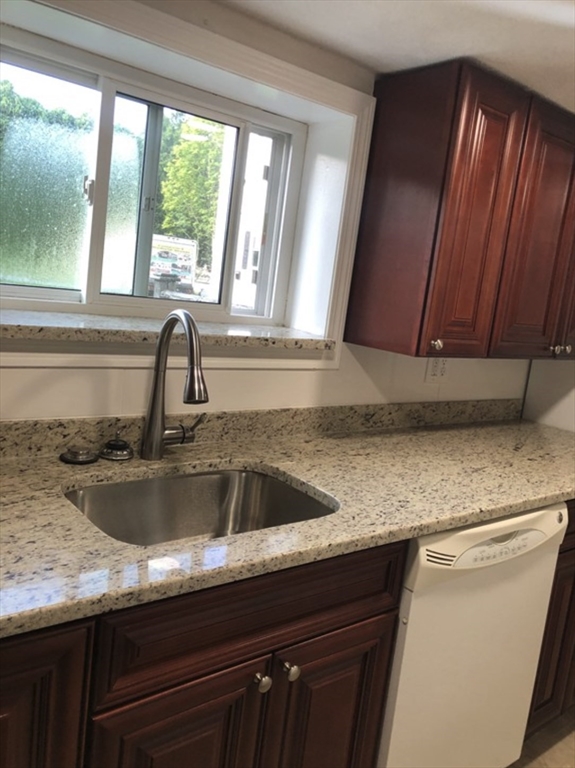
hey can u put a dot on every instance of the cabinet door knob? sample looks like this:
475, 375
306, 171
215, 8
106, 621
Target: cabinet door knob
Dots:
437, 344
557, 349
264, 682
292, 671
568, 349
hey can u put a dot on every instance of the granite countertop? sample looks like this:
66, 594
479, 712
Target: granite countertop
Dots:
390, 486
17, 326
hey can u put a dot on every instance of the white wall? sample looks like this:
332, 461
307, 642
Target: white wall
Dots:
364, 376
30, 390
233, 25
550, 397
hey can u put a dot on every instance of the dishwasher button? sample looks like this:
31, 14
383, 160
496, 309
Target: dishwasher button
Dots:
492, 551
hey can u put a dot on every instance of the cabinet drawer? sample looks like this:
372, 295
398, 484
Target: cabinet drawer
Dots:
146, 649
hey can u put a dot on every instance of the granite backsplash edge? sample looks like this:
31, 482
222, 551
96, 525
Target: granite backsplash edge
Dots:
19, 439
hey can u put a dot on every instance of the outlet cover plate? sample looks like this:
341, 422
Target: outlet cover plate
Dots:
436, 370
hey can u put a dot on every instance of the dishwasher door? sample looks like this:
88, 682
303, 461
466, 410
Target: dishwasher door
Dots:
472, 617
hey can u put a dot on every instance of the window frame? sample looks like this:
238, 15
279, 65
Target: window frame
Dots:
271, 298
340, 114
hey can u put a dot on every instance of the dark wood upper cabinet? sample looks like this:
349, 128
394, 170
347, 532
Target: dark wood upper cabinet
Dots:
473, 221
469, 184
531, 309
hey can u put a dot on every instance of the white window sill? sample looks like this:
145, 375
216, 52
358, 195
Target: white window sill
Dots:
83, 334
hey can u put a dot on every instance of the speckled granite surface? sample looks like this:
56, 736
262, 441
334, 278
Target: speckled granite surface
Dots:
390, 486
60, 326
31, 438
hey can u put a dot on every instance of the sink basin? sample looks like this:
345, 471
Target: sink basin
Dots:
204, 506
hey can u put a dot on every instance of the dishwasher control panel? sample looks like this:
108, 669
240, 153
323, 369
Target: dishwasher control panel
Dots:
484, 544
499, 548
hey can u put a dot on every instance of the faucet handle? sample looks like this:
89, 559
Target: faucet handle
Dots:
180, 434
190, 432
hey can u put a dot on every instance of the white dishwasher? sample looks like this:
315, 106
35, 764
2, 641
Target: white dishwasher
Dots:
472, 616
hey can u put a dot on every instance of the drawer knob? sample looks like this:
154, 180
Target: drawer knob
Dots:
292, 671
264, 682
437, 344
568, 349
557, 349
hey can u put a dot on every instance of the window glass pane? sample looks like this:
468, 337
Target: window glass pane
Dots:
130, 118
177, 193
253, 220
47, 147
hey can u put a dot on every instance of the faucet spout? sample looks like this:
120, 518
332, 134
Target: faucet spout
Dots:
155, 434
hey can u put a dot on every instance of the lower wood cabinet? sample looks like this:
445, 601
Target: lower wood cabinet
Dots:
327, 714
213, 721
287, 669
43, 697
554, 690
331, 714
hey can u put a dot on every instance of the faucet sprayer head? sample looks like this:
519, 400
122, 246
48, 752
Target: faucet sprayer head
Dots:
195, 390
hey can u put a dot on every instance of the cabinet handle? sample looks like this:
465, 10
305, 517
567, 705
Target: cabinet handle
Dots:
437, 344
558, 349
264, 682
292, 671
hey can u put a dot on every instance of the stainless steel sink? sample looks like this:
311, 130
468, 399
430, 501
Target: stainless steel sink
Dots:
205, 506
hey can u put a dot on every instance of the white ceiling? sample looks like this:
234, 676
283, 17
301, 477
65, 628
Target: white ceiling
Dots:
532, 41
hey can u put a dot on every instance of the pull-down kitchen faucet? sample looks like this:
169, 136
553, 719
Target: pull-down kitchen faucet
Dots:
156, 434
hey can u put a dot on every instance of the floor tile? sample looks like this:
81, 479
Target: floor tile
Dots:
552, 746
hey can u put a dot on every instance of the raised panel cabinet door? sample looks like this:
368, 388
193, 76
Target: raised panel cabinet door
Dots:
555, 673
474, 221
403, 190
43, 692
210, 723
330, 714
566, 335
540, 243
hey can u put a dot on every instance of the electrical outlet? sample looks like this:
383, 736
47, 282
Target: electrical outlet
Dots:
436, 370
